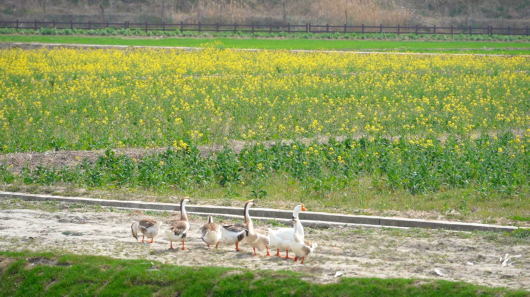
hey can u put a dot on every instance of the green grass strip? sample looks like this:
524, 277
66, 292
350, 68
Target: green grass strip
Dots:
49, 274
521, 218
472, 47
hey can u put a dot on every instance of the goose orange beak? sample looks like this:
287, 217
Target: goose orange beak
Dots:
303, 208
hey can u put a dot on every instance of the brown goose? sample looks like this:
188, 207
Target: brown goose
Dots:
301, 247
179, 229
148, 227
258, 239
211, 233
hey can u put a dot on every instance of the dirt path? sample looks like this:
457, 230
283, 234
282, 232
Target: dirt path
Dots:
396, 51
355, 251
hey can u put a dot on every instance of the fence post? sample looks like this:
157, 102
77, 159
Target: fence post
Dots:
289, 28
509, 31
35, 25
200, 25
327, 27
470, 33
416, 29
345, 28
235, 27
399, 29
362, 30
181, 26
53, 23
145, 26
452, 30
434, 27
380, 28
309, 28
17, 25
89, 25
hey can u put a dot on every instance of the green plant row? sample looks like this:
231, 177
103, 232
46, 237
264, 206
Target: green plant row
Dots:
332, 35
417, 166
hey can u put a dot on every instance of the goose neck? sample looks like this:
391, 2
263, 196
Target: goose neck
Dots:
183, 214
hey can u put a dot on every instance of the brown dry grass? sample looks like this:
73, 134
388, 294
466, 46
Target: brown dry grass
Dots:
369, 12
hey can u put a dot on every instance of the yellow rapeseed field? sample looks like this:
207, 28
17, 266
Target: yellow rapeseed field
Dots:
91, 99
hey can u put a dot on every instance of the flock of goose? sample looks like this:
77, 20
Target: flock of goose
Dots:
211, 233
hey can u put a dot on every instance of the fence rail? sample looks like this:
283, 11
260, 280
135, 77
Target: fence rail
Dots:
268, 28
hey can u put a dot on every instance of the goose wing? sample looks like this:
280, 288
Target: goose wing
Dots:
180, 228
308, 246
146, 223
236, 228
207, 228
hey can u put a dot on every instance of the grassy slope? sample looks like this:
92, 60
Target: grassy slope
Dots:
307, 44
455, 204
49, 274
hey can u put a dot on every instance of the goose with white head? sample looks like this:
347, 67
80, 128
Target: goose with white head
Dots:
301, 247
257, 239
281, 238
179, 229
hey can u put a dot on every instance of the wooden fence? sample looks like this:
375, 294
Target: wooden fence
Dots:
268, 28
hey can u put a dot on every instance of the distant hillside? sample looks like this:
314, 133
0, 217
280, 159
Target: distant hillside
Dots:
405, 12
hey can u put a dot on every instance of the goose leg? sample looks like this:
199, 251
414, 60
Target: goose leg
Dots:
287, 255
152, 240
295, 259
183, 247
278, 253
303, 258
143, 237
268, 252
217, 244
255, 252
237, 246
208, 245
171, 245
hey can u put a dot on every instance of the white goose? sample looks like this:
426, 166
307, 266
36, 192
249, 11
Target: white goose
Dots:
234, 234
302, 248
258, 239
281, 238
179, 229
210, 233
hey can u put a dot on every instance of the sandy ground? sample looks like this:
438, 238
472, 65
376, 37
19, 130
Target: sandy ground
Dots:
355, 251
